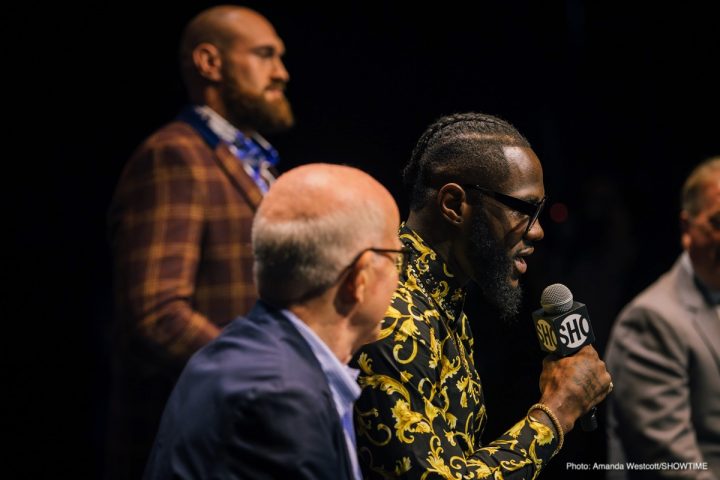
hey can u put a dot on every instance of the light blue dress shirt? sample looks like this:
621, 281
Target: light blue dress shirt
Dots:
342, 380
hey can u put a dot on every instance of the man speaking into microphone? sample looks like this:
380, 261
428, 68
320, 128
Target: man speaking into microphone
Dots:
476, 191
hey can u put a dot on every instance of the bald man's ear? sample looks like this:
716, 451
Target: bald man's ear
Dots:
353, 288
208, 61
451, 201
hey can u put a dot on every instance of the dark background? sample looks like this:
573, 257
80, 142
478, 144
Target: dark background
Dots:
619, 101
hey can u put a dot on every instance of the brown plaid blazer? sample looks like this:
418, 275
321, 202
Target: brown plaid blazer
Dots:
179, 227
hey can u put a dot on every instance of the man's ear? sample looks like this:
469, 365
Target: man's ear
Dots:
684, 227
353, 287
451, 200
208, 61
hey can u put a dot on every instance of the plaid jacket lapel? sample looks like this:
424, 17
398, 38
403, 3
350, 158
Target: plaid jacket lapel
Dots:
231, 166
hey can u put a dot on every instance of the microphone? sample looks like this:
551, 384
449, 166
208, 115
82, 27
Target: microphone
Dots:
563, 327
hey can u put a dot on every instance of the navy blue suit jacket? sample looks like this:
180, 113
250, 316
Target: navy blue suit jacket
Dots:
252, 404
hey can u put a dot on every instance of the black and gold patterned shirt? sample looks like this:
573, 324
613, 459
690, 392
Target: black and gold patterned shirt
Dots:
421, 412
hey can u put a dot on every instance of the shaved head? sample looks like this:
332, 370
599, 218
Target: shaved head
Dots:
312, 223
219, 26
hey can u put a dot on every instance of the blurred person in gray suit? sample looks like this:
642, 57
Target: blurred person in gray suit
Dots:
664, 354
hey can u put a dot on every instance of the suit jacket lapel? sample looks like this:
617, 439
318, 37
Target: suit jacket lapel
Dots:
708, 324
703, 316
225, 159
288, 331
230, 164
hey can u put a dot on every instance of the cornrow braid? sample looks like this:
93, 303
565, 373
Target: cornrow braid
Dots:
453, 147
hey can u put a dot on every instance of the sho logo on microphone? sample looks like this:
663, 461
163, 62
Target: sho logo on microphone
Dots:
563, 332
574, 330
546, 335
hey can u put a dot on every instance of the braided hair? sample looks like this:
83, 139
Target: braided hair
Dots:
455, 146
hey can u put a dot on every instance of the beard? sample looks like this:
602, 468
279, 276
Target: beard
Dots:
247, 109
492, 267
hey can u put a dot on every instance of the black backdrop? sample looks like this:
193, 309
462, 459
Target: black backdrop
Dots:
619, 101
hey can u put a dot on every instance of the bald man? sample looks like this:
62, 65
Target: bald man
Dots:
272, 396
180, 219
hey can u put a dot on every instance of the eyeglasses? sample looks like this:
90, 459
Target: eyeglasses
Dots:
532, 210
401, 258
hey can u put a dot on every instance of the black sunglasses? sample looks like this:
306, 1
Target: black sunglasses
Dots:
532, 210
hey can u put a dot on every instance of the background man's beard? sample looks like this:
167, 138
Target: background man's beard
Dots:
492, 267
246, 109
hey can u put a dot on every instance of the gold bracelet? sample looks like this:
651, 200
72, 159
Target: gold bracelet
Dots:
554, 420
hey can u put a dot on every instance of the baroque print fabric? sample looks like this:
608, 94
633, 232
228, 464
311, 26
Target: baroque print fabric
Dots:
421, 412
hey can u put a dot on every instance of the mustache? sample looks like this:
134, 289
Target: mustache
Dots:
277, 85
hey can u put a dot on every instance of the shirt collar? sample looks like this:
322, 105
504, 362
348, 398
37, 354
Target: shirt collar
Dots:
341, 378
433, 275
710, 295
215, 122
224, 129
